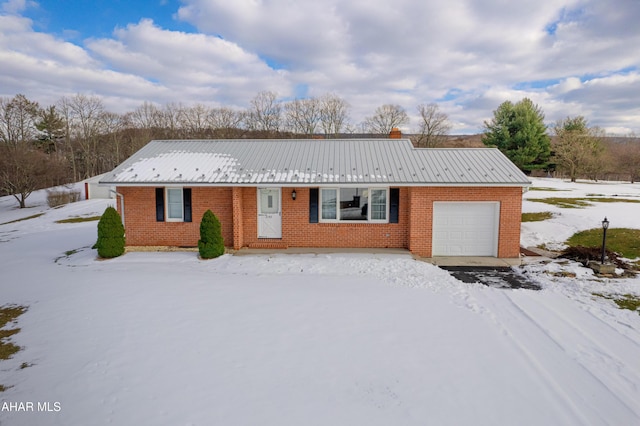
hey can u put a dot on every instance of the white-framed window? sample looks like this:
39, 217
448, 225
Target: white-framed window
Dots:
379, 205
175, 208
354, 204
328, 205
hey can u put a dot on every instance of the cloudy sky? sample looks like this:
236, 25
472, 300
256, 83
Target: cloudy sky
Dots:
571, 57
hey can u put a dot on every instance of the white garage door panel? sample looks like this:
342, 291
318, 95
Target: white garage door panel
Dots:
465, 229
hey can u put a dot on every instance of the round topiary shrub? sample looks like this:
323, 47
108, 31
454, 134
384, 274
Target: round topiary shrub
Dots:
211, 244
110, 234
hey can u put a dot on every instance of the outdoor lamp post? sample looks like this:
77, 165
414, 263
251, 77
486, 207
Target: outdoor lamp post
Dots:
605, 226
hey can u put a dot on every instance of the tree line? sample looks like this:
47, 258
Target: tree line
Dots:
77, 137
570, 147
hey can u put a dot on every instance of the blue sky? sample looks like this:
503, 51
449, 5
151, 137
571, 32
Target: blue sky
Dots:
78, 19
571, 57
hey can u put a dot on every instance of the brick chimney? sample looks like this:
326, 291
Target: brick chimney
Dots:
395, 133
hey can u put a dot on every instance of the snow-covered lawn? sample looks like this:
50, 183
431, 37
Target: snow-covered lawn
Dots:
331, 339
566, 222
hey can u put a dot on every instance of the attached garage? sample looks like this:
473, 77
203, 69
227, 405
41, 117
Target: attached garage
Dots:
465, 228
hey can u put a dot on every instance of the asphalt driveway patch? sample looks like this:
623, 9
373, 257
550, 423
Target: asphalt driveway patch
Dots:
497, 277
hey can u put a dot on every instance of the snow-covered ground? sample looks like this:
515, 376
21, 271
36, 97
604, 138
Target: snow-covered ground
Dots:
566, 222
331, 339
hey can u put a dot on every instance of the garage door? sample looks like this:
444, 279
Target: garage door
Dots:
465, 229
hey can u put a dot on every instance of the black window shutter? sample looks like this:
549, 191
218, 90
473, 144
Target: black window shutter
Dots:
313, 205
159, 204
186, 204
394, 204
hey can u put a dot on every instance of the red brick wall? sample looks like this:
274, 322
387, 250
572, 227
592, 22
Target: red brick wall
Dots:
238, 215
413, 230
141, 228
298, 232
422, 198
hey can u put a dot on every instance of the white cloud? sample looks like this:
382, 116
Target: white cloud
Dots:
203, 68
147, 49
13, 7
569, 56
568, 85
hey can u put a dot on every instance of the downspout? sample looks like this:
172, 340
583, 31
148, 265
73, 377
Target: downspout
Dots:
121, 206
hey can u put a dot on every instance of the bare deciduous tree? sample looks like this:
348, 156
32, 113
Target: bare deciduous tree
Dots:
112, 127
385, 118
434, 126
84, 115
225, 121
625, 153
334, 114
265, 113
17, 120
171, 120
578, 147
195, 120
64, 106
24, 169
144, 122
302, 115
147, 116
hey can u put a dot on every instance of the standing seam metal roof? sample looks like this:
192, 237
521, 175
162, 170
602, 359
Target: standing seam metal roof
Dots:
312, 161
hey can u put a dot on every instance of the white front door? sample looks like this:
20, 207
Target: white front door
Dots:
269, 213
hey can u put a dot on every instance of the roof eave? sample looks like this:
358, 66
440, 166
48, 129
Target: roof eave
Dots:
316, 184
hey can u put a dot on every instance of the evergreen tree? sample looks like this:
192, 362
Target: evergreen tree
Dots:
110, 234
211, 244
51, 126
518, 130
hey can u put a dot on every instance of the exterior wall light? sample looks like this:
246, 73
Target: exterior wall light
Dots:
293, 195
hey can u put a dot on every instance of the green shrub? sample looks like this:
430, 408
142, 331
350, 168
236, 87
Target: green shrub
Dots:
211, 244
110, 234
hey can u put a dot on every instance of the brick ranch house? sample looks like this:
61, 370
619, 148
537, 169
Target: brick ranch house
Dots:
362, 193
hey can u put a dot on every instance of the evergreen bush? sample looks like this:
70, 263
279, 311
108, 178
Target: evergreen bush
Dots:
211, 244
110, 234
